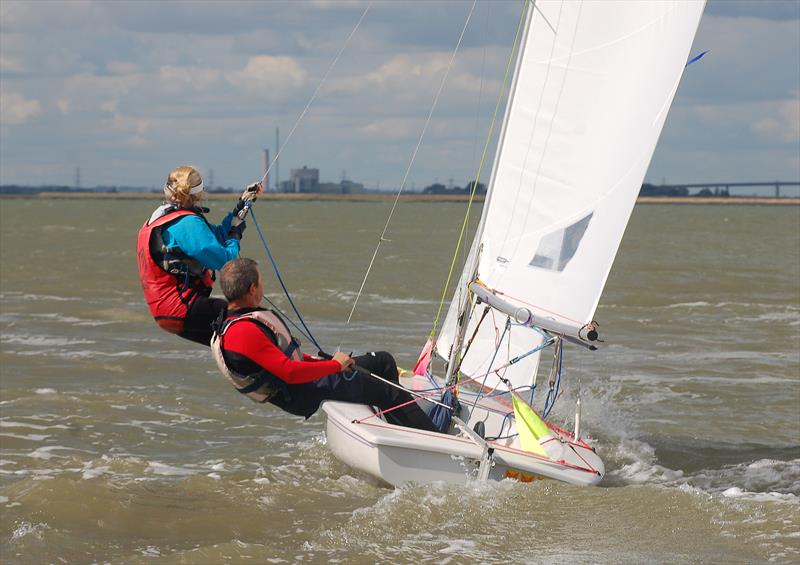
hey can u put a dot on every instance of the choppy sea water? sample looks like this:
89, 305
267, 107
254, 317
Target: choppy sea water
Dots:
120, 443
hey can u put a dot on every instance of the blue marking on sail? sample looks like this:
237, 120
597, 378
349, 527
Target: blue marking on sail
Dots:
697, 58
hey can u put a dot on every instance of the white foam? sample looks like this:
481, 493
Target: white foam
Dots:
73, 320
29, 437
9, 424
27, 528
163, 469
150, 551
764, 480
90, 472
43, 340
736, 492
700, 304
45, 391
643, 472
45, 452
91, 354
459, 546
48, 297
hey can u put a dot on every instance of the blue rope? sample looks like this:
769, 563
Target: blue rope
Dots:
280, 280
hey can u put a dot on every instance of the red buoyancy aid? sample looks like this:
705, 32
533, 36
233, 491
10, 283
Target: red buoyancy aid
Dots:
168, 295
261, 386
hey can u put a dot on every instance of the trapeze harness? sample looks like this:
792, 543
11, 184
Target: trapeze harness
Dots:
171, 279
261, 385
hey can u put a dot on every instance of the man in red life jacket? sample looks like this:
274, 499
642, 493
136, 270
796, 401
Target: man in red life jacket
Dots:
257, 353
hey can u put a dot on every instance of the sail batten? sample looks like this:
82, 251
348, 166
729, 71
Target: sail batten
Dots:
593, 83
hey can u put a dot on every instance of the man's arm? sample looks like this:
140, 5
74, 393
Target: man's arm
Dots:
245, 338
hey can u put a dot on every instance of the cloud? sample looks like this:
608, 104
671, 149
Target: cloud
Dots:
392, 129
777, 10
175, 79
122, 68
9, 64
16, 109
267, 76
407, 82
64, 105
188, 81
336, 4
48, 16
749, 59
89, 93
782, 125
135, 128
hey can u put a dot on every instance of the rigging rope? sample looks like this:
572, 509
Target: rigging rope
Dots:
280, 280
286, 317
316, 91
494, 356
411, 163
307, 332
552, 394
480, 89
480, 170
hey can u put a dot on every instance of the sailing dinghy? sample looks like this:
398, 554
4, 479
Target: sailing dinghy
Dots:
591, 89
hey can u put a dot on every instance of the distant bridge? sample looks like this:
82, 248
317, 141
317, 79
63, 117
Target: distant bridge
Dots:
777, 185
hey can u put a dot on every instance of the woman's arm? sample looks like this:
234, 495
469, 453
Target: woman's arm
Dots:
197, 240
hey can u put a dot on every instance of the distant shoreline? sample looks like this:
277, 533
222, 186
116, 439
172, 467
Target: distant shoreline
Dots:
411, 197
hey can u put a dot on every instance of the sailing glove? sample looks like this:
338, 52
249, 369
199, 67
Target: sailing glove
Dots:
251, 192
237, 230
240, 211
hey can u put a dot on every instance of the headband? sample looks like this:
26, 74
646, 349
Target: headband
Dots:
194, 190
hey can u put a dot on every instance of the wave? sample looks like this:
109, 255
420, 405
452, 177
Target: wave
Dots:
43, 340
11, 424
16, 296
348, 296
756, 473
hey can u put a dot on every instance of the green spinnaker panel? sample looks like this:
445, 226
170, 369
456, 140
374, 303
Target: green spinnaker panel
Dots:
530, 427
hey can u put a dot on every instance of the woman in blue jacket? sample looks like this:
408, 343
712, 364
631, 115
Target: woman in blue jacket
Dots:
178, 251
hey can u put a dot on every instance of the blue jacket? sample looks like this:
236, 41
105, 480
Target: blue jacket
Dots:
208, 243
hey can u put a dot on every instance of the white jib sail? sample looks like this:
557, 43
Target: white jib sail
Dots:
592, 88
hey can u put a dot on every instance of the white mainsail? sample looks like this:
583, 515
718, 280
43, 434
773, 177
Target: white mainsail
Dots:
592, 88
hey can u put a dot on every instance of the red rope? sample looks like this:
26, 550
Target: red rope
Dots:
501, 293
381, 412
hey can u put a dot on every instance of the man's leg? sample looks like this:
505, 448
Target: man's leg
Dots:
361, 388
385, 396
306, 397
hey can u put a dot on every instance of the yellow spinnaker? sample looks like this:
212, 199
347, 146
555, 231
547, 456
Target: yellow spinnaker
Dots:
530, 427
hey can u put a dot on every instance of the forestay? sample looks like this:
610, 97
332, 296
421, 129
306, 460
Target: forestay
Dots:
593, 85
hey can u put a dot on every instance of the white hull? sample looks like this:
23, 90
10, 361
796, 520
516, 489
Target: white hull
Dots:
399, 455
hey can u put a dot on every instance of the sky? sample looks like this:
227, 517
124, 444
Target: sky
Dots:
126, 91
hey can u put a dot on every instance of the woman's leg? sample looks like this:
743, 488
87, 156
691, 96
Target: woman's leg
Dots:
202, 313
